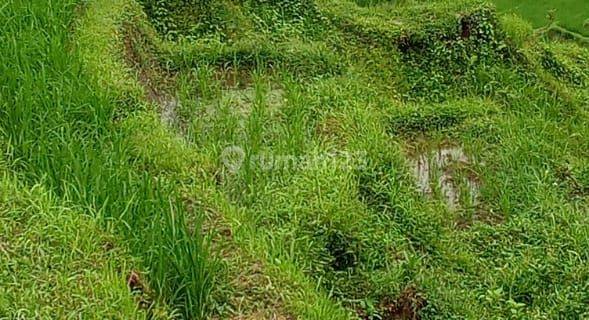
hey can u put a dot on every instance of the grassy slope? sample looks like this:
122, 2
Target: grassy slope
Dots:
571, 14
283, 232
56, 262
58, 131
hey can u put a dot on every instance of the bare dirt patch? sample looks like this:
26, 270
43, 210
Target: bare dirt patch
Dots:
156, 81
406, 306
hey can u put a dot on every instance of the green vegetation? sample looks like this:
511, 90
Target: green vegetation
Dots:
278, 159
56, 263
59, 130
571, 14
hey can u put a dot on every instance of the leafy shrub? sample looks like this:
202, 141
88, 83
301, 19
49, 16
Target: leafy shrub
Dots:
284, 18
440, 57
186, 18
442, 46
423, 118
305, 60
290, 9
551, 63
194, 19
428, 119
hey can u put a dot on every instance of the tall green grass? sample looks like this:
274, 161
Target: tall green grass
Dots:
59, 127
320, 240
82, 275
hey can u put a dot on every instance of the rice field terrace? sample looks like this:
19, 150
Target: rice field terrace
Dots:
294, 159
570, 14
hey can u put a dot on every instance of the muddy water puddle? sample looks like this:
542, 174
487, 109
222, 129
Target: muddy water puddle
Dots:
169, 111
444, 172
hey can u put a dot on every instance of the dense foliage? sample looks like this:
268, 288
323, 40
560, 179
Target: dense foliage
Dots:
277, 159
